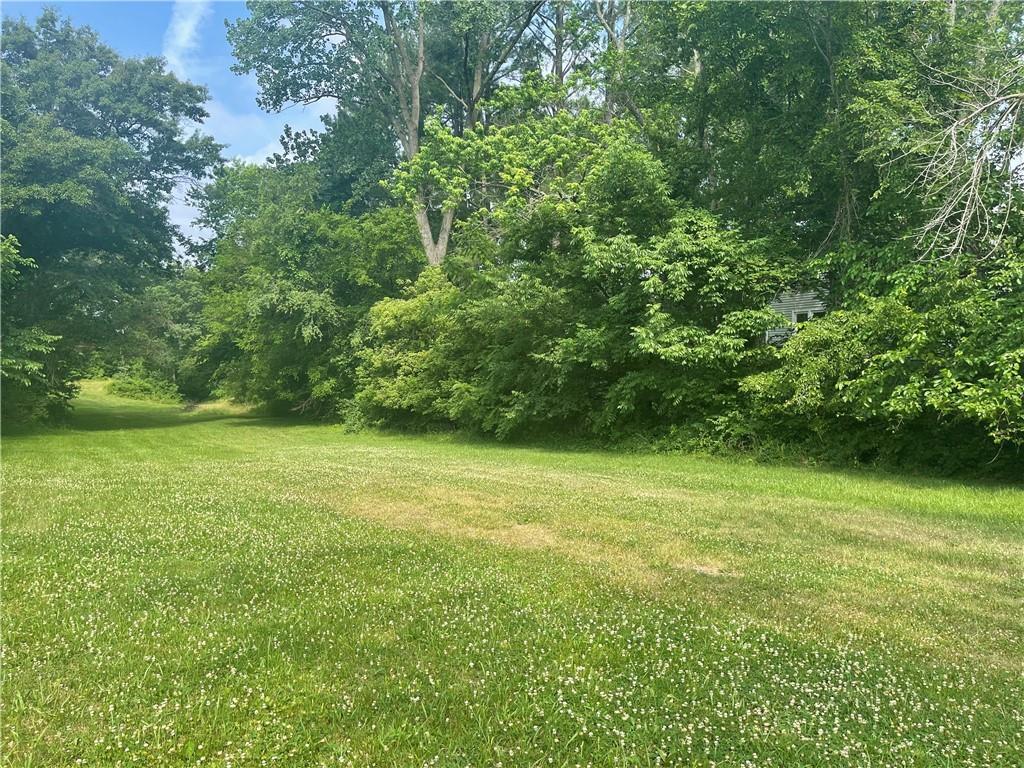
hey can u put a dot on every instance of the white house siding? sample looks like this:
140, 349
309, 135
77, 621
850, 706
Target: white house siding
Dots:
792, 305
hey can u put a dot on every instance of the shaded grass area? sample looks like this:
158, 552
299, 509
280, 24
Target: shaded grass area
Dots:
211, 587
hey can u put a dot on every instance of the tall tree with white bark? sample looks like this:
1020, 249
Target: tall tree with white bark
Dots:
396, 57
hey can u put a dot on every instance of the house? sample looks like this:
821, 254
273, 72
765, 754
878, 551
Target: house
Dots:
797, 307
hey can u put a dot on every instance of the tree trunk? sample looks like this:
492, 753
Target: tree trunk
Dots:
615, 18
558, 58
476, 91
435, 249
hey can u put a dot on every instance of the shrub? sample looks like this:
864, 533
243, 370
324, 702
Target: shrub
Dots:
931, 373
137, 384
612, 338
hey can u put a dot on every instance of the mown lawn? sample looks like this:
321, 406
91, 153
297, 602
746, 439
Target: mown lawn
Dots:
211, 588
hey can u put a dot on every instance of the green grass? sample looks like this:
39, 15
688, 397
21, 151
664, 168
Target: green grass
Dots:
212, 588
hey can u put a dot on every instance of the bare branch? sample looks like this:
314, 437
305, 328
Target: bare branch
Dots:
974, 156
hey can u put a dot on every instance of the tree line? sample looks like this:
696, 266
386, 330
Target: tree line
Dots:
531, 219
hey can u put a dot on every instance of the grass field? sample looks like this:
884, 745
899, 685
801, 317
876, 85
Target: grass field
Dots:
212, 588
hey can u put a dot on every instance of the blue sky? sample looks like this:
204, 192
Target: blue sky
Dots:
191, 36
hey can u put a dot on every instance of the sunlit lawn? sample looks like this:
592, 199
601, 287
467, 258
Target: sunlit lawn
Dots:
214, 588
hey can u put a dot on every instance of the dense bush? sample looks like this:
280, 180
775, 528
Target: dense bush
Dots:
599, 312
138, 384
928, 373
288, 285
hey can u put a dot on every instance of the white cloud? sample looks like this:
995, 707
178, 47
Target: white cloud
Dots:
254, 134
182, 36
259, 157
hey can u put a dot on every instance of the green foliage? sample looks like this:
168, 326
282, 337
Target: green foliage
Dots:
275, 35
137, 383
156, 330
29, 392
403, 376
576, 301
935, 366
810, 120
349, 156
288, 284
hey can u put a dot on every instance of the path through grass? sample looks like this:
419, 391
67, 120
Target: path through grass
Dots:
212, 588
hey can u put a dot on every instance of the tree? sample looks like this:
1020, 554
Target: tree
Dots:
389, 57
974, 166
351, 155
288, 283
579, 298
93, 146
813, 121
568, 36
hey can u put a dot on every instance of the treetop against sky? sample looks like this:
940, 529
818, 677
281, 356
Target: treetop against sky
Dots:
191, 37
